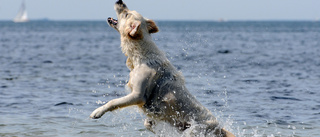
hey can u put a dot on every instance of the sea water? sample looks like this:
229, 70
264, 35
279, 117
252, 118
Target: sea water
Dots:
259, 79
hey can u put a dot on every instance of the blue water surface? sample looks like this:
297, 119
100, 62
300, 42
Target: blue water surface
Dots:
258, 78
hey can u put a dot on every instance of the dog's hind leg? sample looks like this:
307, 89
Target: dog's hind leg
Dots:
149, 124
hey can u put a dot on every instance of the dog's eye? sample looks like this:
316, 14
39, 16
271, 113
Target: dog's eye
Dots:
126, 15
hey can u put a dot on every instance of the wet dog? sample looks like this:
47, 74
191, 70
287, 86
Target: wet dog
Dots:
157, 88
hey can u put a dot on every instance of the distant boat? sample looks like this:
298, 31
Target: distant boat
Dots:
22, 15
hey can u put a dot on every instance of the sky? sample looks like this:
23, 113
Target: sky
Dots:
167, 9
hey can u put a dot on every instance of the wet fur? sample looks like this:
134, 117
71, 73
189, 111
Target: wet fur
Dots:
156, 86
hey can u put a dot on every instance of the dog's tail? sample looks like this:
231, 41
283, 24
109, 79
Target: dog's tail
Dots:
217, 130
227, 133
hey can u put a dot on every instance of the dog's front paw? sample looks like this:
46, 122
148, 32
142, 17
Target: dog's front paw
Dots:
97, 113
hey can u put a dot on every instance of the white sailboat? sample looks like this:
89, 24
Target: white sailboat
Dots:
22, 15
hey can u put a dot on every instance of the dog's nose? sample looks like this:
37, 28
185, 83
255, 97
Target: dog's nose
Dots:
119, 2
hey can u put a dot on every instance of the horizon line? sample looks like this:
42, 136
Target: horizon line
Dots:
187, 20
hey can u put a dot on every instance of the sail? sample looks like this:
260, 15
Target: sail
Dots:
22, 15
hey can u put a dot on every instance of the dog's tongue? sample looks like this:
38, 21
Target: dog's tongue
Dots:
115, 22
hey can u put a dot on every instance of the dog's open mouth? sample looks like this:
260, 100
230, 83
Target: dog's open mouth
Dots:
112, 21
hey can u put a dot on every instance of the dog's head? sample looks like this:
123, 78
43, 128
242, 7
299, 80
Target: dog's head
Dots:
130, 23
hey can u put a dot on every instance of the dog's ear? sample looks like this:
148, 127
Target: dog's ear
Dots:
152, 27
134, 29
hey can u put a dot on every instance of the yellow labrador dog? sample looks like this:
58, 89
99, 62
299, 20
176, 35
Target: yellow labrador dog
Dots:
156, 86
